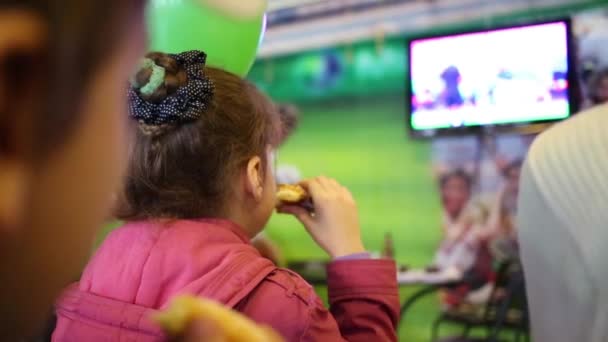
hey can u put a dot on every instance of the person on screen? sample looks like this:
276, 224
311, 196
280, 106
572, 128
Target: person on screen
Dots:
563, 229
451, 94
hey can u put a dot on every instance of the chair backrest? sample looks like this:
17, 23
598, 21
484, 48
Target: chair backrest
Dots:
508, 302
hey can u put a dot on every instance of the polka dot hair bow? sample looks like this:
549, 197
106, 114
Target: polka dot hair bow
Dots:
187, 104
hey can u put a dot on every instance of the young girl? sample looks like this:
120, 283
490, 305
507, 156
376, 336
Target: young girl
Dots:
200, 185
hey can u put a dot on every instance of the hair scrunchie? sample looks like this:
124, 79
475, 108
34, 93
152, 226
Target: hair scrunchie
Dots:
187, 104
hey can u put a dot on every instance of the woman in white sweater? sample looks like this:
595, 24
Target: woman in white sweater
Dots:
563, 230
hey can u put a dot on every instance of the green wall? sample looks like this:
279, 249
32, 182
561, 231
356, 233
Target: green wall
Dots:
363, 144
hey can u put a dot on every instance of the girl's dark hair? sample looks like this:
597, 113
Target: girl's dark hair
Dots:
82, 34
188, 170
459, 174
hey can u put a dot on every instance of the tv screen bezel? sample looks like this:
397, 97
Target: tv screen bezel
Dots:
527, 127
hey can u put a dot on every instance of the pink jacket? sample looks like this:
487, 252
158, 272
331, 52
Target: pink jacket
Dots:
142, 265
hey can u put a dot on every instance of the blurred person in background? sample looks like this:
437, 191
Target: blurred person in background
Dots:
457, 249
501, 232
61, 140
460, 249
468, 254
290, 119
598, 87
480, 236
455, 189
63, 66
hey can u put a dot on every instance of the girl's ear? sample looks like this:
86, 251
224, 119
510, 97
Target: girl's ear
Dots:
254, 180
22, 41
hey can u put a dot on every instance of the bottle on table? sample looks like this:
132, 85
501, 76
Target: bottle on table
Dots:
388, 251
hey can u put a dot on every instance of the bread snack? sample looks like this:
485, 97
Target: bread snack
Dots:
231, 325
294, 194
291, 193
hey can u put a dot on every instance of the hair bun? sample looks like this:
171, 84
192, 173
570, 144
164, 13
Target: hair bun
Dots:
180, 96
159, 75
149, 77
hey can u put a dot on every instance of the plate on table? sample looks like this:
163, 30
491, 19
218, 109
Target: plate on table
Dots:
429, 276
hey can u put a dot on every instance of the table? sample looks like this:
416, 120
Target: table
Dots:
431, 282
423, 277
314, 273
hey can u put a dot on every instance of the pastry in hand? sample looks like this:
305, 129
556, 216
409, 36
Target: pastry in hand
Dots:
231, 326
294, 194
291, 193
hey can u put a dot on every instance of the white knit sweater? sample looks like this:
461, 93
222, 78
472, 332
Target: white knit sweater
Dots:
563, 230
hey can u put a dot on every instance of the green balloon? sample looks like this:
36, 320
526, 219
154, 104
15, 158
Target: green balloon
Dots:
231, 43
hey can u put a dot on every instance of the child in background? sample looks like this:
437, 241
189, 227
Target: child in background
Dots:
598, 87
290, 118
501, 230
200, 185
455, 189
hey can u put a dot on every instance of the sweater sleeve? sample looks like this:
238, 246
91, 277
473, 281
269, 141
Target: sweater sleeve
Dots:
363, 307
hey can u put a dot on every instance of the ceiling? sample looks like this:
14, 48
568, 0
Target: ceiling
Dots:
382, 18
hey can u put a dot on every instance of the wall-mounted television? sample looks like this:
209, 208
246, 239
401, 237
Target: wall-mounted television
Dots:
506, 77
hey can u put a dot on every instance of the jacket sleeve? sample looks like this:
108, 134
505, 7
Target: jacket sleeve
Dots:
364, 303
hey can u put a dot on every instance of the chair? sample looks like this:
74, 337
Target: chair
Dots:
505, 310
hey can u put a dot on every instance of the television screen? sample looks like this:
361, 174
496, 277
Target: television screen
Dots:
515, 75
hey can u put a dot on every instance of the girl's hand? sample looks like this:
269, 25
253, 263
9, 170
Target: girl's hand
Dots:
335, 224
